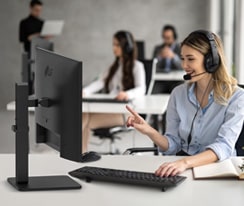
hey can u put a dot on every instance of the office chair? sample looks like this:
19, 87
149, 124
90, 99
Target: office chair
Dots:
148, 64
112, 133
240, 142
140, 50
239, 146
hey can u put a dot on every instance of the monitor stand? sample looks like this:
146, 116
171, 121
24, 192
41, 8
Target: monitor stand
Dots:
22, 181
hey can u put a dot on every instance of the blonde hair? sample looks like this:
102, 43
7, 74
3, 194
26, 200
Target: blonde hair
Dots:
224, 85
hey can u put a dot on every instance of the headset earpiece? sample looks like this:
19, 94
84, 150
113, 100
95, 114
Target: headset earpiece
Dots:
211, 59
208, 63
129, 47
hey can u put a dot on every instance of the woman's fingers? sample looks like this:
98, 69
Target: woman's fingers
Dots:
166, 169
137, 121
133, 112
171, 168
161, 170
130, 121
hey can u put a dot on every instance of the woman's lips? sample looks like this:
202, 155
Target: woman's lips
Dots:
190, 72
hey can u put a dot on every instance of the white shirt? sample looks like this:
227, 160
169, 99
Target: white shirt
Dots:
116, 86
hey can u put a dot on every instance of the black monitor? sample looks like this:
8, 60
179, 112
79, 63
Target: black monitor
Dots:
59, 120
59, 81
29, 66
25, 67
58, 114
41, 43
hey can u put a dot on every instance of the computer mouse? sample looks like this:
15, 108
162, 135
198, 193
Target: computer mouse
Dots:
90, 156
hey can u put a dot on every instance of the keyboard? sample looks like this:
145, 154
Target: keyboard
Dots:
127, 177
105, 100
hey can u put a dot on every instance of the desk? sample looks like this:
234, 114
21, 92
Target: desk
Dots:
152, 104
190, 192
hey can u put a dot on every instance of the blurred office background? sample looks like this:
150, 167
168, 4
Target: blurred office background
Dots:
90, 25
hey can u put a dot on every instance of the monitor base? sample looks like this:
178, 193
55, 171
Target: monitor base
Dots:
42, 183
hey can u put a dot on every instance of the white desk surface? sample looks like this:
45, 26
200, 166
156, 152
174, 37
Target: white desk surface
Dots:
171, 76
152, 104
188, 193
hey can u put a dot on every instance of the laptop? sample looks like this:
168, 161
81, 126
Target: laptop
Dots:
52, 27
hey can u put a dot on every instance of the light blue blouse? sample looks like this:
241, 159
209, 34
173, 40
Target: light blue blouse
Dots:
215, 127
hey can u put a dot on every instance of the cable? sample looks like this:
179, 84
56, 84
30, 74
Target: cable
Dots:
189, 138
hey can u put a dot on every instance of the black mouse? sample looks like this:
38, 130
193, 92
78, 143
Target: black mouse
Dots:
90, 156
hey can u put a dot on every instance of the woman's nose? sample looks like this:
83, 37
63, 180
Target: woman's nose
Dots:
183, 64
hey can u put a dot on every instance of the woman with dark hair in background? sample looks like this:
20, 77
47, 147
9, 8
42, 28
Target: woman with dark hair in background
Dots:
125, 79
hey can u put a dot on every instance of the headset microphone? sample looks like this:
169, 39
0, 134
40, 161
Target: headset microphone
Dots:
189, 77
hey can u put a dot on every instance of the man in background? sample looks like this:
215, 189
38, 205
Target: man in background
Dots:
168, 53
31, 26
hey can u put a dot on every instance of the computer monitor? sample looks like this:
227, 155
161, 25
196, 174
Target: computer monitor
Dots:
59, 120
25, 67
58, 84
26, 74
59, 81
58, 116
28, 61
41, 43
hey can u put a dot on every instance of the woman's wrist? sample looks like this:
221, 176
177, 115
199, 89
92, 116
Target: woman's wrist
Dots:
151, 132
187, 163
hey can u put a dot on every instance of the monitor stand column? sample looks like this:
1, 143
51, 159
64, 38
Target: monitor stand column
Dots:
22, 181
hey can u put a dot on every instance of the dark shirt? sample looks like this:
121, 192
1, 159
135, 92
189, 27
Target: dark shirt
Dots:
175, 63
28, 26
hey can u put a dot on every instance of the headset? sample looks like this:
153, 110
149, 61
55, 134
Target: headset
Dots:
172, 28
211, 59
129, 46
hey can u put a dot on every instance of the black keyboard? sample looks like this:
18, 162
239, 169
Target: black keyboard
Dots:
105, 100
128, 177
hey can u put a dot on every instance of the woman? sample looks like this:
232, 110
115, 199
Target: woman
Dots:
204, 115
125, 79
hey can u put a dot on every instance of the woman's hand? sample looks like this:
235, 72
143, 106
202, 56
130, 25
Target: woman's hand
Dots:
171, 168
179, 166
136, 121
122, 96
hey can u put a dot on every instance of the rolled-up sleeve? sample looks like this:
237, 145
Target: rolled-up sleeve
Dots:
94, 87
224, 145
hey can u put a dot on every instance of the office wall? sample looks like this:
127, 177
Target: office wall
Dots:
88, 30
